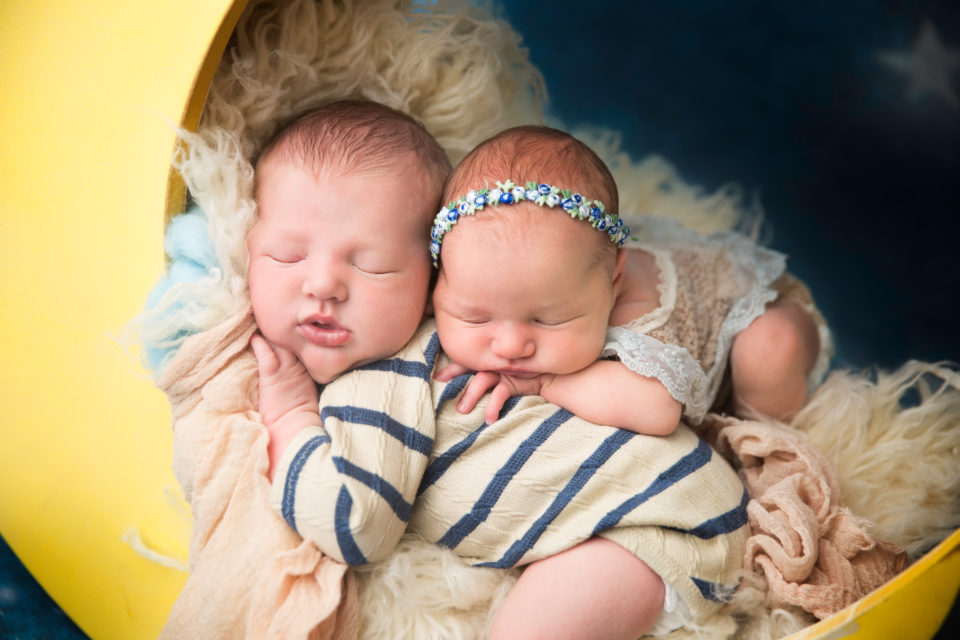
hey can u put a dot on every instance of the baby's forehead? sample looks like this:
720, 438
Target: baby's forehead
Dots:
398, 195
523, 232
532, 225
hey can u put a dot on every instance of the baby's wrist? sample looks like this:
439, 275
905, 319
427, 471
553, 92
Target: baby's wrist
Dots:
547, 381
293, 422
283, 431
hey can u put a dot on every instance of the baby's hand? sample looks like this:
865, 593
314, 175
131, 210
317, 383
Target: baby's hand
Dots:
504, 386
288, 396
285, 385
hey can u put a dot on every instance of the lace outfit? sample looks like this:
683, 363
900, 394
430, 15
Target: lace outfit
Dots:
711, 288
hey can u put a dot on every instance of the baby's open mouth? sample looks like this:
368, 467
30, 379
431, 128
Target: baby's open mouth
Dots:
323, 331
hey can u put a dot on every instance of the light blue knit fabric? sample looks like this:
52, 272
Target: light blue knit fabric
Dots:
191, 257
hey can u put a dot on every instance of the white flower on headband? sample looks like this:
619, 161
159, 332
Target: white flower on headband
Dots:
545, 195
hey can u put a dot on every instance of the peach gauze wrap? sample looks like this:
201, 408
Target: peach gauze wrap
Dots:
251, 576
813, 552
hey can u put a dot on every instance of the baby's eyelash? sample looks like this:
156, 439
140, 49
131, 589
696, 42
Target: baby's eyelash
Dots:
374, 272
552, 322
286, 259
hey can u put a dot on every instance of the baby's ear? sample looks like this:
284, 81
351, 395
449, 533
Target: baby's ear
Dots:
619, 268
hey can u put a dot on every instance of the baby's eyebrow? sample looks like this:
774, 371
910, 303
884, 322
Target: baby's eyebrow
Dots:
462, 307
286, 234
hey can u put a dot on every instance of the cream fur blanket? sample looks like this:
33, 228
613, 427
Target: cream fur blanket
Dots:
464, 74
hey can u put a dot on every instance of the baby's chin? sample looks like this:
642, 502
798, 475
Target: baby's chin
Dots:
326, 377
324, 373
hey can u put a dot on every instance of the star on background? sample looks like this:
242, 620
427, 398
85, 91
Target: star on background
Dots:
929, 66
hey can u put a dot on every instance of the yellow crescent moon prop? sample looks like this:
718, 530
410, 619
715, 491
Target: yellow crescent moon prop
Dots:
90, 95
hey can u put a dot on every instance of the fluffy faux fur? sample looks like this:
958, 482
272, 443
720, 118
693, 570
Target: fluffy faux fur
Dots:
893, 437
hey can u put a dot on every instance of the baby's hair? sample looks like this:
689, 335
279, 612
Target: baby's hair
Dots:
358, 136
540, 154
536, 153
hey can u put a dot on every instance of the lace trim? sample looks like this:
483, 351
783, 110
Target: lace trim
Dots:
655, 235
666, 289
756, 268
671, 364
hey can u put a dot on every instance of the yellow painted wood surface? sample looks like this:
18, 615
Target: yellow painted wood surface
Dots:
90, 95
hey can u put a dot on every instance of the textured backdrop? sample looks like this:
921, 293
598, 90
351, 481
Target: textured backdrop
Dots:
843, 119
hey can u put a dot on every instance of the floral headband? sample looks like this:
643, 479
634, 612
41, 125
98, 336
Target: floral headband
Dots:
541, 194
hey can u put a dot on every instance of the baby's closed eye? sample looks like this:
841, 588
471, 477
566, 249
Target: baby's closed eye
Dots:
374, 269
285, 258
550, 321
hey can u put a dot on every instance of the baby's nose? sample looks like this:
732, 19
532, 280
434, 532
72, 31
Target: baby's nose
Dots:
325, 284
512, 343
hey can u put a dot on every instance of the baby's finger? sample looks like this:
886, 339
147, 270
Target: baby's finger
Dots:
267, 361
475, 389
471, 394
449, 372
285, 357
500, 394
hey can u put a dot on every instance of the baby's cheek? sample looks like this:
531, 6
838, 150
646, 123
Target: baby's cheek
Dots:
581, 350
455, 345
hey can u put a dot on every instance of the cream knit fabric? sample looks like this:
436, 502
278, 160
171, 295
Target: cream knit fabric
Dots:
533, 483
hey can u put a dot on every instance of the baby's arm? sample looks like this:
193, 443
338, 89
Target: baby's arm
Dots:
288, 396
606, 392
347, 481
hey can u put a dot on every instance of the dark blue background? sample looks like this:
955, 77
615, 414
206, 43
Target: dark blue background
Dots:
791, 100
859, 180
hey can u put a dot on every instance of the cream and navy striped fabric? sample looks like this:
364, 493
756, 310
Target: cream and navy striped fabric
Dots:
395, 453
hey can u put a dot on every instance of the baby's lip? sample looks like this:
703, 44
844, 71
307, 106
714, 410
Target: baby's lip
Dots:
323, 331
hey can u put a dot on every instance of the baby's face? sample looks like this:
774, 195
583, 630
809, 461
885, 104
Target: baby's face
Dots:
522, 303
339, 268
